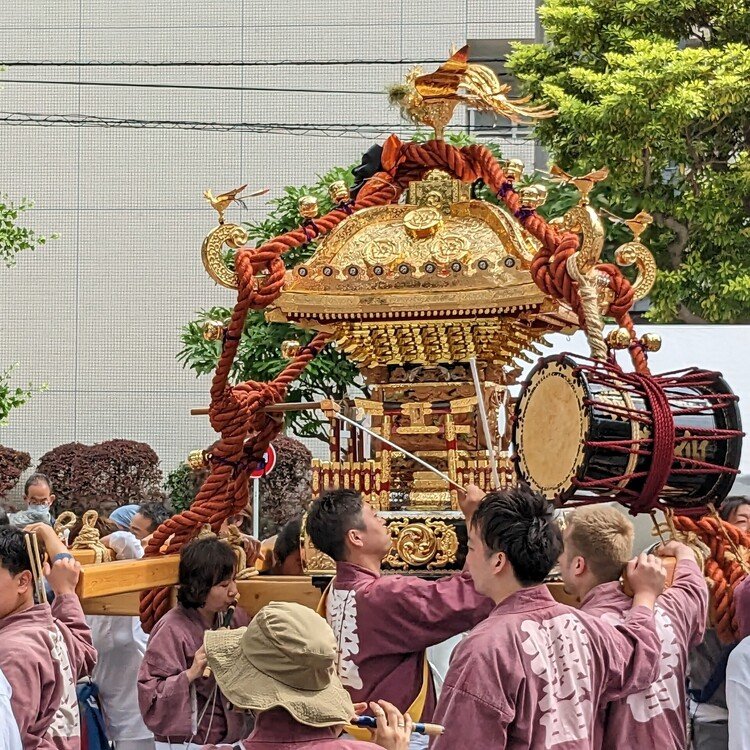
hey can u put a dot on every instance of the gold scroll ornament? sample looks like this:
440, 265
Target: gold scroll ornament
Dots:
418, 543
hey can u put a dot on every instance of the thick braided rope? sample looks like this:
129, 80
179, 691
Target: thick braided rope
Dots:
405, 161
237, 412
723, 570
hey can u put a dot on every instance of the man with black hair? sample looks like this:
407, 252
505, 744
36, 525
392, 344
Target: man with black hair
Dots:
45, 650
384, 624
180, 704
534, 674
38, 496
148, 519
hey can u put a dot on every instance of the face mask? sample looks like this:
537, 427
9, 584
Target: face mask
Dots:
41, 509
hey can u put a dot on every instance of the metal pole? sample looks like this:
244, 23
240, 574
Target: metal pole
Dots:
256, 507
485, 423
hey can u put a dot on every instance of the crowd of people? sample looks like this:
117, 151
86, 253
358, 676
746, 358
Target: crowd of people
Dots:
614, 671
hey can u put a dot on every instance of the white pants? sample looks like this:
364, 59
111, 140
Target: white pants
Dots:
135, 744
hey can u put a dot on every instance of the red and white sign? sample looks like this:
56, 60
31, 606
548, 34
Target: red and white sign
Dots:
266, 464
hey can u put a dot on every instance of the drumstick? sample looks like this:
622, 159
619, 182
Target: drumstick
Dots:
226, 621
32, 548
397, 447
431, 730
485, 423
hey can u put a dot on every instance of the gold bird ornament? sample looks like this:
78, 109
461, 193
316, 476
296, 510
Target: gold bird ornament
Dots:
430, 99
583, 184
639, 223
221, 203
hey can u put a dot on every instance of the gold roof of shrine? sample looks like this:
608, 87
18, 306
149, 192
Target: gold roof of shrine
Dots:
439, 278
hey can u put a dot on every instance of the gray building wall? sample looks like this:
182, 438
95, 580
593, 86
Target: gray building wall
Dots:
96, 314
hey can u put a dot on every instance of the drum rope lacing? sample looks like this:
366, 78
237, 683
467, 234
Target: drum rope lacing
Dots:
662, 395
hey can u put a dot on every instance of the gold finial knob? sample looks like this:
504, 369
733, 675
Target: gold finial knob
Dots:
290, 349
651, 342
533, 196
618, 338
513, 169
196, 460
338, 191
307, 205
213, 330
423, 222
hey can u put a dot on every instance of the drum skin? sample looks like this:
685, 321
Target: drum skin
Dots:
573, 416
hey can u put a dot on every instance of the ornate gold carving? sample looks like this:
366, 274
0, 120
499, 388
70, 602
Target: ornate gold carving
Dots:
221, 202
213, 252
431, 99
636, 252
423, 222
491, 340
651, 342
213, 330
533, 196
619, 338
429, 543
338, 191
438, 190
196, 460
290, 349
307, 206
513, 169
583, 220
583, 184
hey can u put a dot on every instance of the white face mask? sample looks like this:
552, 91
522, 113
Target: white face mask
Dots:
41, 509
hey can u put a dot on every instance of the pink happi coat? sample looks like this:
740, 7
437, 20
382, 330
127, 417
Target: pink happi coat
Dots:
534, 674
278, 730
383, 624
655, 717
173, 708
44, 651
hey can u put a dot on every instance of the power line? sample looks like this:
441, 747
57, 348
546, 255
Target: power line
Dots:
359, 130
273, 89
230, 63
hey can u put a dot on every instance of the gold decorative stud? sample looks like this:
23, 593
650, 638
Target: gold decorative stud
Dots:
196, 460
307, 205
651, 342
513, 169
423, 222
213, 330
533, 196
290, 349
338, 191
618, 338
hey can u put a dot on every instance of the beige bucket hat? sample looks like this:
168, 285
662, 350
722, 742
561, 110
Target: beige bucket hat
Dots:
285, 658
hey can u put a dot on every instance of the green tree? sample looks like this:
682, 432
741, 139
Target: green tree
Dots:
14, 238
659, 91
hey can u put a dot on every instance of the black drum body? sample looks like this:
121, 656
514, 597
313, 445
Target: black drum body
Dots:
584, 429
